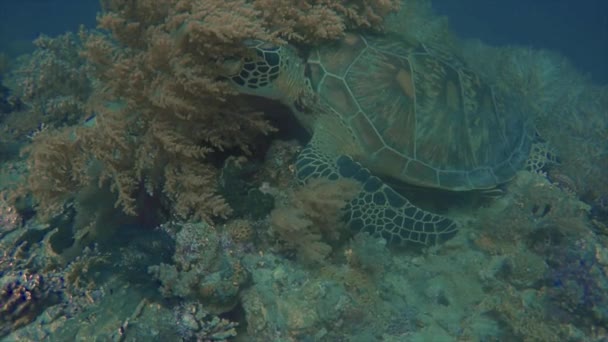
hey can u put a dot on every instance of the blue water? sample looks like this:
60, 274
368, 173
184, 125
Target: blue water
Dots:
23, 21
578, 29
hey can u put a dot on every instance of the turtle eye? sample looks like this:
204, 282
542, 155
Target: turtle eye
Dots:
253, 43
269, 47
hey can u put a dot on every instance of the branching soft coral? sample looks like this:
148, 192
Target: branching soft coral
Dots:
163, 65
313, 21
57, 169
312, 218
163, 111
53, 85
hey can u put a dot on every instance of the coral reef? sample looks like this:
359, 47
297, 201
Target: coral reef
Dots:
518, 220
202, 270
27, 288
315, 21
544, 259
91, 294
53, 85
24, 295
52, 187
577, 284
140, 111
367, 253
240, 231
289, 303
162, 111
568, 110
133, 127
312, 218
9, 217
279, 166
241, 189
194, 323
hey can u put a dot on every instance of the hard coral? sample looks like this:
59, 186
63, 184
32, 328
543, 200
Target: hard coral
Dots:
24, 295
9, 217
578, 285
240, 231
195, 323
202, 269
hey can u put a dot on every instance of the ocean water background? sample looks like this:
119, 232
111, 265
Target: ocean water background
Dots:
576, 28
22, 21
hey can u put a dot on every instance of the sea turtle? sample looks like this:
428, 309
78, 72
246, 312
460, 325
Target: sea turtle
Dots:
388, 108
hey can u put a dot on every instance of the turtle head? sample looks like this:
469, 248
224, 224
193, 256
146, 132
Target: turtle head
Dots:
270, 71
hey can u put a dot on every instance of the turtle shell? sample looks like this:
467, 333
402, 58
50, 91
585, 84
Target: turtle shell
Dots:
419, 116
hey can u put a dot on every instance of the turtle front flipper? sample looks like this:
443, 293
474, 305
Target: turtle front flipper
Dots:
377, 208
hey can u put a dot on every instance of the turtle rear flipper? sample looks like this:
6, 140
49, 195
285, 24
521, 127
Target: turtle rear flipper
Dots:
377, 208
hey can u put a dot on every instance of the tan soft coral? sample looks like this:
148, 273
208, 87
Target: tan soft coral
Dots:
160, 109
314, 21
311, 219
57, 169
173, 83
163, 110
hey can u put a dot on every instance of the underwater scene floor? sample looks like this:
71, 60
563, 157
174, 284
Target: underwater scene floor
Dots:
298, 171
